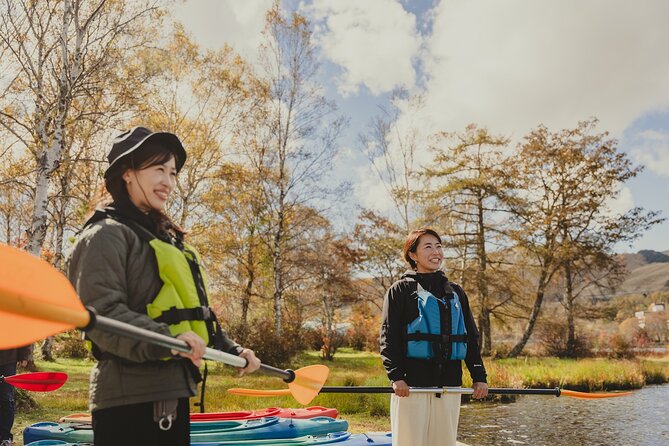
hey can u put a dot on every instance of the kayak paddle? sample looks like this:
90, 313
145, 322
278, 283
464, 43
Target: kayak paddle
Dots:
37, 381
461, 390
37, 301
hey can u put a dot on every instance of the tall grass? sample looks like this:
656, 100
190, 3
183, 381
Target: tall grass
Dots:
655, 370
583, 375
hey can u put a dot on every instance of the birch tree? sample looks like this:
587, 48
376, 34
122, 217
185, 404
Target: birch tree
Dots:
59, 53
293, 144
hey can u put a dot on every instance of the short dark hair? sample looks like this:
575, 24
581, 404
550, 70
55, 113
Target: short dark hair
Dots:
411, 243
151, 154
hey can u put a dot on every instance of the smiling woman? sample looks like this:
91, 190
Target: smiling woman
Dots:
131, 263
150, 187
427, 330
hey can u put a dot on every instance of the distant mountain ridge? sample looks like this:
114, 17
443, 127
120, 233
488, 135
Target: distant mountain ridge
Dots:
653, 256
648, 272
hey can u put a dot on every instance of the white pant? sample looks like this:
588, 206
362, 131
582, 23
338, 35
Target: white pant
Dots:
422, 419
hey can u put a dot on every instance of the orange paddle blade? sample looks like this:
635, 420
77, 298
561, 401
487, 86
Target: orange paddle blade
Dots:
308, 382
591, 396
306, 386
81, 418
36, 300
258, 392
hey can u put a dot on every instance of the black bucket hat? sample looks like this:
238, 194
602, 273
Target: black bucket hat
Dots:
132, 140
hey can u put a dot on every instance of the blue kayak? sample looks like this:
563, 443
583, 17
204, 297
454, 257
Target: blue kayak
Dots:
264, 428
336, 438
56, 443
215, 431
67, 432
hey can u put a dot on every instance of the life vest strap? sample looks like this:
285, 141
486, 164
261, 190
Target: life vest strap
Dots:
445, 338
175, 315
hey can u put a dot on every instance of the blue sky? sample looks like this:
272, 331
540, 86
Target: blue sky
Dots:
508, 66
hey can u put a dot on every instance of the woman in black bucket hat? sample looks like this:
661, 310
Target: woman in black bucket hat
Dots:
131, 263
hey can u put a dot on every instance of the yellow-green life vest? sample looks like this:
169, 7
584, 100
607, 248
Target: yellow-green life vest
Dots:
177, 269
182, 303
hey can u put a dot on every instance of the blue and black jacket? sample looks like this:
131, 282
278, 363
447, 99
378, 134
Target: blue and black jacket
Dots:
400, 308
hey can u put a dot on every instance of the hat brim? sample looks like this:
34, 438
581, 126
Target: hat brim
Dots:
169, 140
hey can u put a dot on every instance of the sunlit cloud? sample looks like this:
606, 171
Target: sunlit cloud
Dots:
374, 42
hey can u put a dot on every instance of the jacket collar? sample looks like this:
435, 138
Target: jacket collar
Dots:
125, 210
412, 274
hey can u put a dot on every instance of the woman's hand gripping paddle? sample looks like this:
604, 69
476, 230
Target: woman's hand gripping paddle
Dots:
36, 382
37, 301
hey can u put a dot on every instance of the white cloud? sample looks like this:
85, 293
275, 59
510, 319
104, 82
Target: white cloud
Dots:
371, 192
514, 64
652, 150
623, 202
237, 23
374, 42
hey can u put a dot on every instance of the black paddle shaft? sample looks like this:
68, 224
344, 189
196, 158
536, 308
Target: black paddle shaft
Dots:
492, 391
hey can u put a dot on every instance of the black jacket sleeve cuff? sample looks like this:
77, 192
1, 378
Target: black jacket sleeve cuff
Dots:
396, 375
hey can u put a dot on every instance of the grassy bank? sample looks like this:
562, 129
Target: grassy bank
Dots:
584, 375
364, 412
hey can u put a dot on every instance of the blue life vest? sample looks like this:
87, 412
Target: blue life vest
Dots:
425, 339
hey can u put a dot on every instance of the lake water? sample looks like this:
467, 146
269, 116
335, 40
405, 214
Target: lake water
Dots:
641, 419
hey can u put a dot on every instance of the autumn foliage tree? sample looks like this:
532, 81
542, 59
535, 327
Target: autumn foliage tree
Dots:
564, 182
470, 190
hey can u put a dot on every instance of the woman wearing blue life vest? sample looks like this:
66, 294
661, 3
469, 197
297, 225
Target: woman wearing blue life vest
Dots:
131, 263
427, 330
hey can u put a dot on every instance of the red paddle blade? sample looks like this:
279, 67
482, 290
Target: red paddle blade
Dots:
38, 381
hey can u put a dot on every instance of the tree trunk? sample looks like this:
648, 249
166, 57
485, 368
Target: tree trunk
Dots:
330, 333
47, 347
569, 304
534, 315
246, 296
485, 340
481, 281
278, 274
38, 227
250, 271
61, 221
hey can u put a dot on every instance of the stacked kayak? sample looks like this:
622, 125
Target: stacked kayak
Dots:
306, 412
314, 425
263, 428
301, 413
204, 431
335, 439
